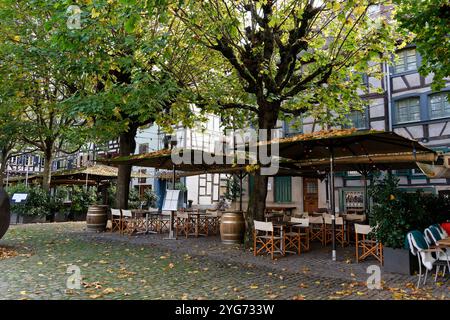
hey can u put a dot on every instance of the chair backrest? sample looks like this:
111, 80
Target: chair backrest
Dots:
127, 213
182, 215
212, 213
115, 212
362, 228
263, 226
418, 244
418, 240
441, 230
315, 220
432, 235
304, 222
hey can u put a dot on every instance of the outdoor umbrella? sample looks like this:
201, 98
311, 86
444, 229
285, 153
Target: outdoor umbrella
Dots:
351, 148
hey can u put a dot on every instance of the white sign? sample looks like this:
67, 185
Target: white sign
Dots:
171, 200
19, 197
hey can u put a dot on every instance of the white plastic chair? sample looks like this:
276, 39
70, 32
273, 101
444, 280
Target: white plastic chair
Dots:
420, 248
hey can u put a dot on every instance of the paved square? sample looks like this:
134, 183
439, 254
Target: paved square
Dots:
149, 267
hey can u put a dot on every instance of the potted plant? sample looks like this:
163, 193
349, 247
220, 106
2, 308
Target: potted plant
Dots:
36, 207
233, 191
151, 198
394, 213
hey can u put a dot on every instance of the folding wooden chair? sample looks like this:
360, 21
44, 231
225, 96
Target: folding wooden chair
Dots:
316, 229
116, 220
184, 225
302, 230
369, 247
213, 220
265, 239
129, 224
339, 230
163, 222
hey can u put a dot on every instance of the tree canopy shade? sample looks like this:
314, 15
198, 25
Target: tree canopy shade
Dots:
284, 59
429, 23
10, 99
132, 71
41, 71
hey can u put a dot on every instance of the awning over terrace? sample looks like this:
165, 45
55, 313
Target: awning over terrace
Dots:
91, 175
344, 150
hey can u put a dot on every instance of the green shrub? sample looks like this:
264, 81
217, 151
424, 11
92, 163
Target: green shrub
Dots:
81, 199
134, 201
396, 212
151, 198
38, 203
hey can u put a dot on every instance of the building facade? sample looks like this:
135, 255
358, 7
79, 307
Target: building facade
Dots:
406, 105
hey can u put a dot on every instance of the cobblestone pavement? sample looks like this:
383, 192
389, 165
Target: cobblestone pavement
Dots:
150, 267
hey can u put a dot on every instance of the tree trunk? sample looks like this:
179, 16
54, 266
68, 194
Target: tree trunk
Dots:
127, 145
47, 174
267, 119
3, 160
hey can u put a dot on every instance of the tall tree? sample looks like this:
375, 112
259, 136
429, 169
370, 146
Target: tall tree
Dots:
128, 58
27, 32
278, 59
9, 118
428, 21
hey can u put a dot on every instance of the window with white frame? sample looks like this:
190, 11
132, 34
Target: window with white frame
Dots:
439, 106
407, 110
406, 61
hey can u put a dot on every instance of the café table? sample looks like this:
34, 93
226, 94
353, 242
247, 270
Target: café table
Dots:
148, 220
444, 243
201, 223
282, 225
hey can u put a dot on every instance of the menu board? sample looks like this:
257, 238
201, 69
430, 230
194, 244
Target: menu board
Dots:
354, 199
19, 197
171, 200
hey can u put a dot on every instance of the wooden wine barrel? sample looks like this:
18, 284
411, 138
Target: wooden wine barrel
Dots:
5, 217
232, 227
96, 218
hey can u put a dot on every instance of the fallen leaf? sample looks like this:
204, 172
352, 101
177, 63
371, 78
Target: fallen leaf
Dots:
108, 291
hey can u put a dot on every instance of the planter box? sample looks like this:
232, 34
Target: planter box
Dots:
80, 217
399, 261
60, 217
14, 218
31, 219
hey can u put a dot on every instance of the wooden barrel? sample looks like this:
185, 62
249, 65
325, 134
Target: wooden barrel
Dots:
4, 212
232, 227
96, 218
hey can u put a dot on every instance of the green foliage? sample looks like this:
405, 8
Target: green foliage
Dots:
151, 198
233, 190
396, 212
38, 203
259, 60
428, 21
81, 198
134, 201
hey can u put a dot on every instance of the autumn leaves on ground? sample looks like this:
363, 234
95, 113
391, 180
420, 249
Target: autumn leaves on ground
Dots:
34, 261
